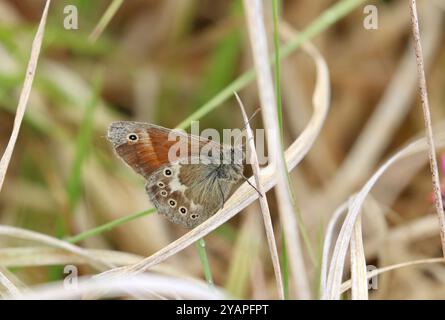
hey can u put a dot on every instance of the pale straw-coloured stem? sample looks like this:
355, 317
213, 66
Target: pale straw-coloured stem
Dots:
263, 202
24, 95
258, 41
427, 118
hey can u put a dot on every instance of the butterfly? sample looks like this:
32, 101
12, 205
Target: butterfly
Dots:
188, 178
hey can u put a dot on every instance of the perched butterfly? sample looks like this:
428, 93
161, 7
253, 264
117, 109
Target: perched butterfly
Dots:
188, 187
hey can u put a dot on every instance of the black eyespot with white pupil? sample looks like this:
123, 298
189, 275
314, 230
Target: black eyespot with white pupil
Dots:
132, 137
182, 210
163, 193
167, 172
194, 216
172, 203
161, 184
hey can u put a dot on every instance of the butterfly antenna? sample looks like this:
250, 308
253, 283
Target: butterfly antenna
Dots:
247, 122
246, 179
251, 117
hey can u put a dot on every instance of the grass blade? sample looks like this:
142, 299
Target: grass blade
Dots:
201, 246
263, 202
51, 241
105, 20
24, 95
427, 118
358, 264
258, 40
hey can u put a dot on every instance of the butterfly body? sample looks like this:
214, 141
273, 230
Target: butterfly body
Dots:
186, 188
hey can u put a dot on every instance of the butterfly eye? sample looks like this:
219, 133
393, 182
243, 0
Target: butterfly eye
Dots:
161, 184
194, 216
163, 193
183, 210
172, 203
132, 137
167, 172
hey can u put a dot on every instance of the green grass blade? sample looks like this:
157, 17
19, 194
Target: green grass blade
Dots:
105, 20
108, 226
201, 246
82, 146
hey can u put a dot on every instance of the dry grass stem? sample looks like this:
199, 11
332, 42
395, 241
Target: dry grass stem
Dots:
45, 256
142, 286
258, 41
359, 287
24, 95
51, 241
347, 284
263, 202
327, 244
427, 118
8, 284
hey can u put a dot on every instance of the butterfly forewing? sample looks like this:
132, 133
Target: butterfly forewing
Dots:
146, 147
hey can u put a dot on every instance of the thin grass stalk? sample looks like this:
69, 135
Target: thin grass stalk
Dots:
142, 286
35, 236
10, 287
347, 284
45, 256
320, 99
276, 42
108, 226
105, 20
427, 118
258, 40
201, 246
24, 95
359, 287
271, 241
327, 244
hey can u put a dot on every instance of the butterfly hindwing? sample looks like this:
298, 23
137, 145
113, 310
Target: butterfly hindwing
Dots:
168, 195
188, 194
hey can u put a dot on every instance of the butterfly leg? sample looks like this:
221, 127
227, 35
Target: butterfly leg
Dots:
246, 179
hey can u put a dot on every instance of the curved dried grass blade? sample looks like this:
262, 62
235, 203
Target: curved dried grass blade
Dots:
338, 257
347, 284
35, 236
359, 287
